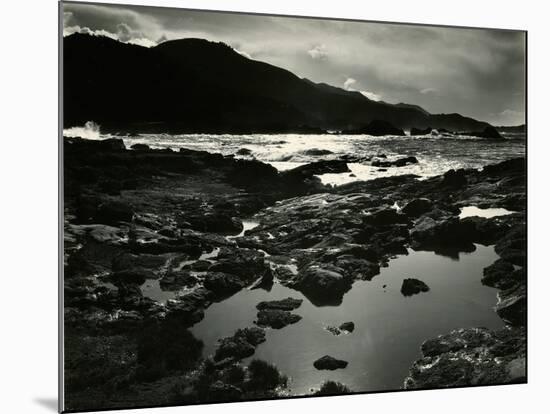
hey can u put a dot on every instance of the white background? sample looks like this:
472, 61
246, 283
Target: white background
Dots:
28, 226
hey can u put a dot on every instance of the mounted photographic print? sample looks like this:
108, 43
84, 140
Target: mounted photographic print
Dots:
260, 207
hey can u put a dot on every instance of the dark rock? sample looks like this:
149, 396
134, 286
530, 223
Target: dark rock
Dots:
502, 275
329, 363
134, 276
347, 326
400, 162
188, 309
317, 168
241, 345
454, 178
168, 232
287, 304
317, 151
112, 144
276, 318
243, 151
160, 346
132, 261
222, 392
384, 217
413, 286
417, 207
376, 128
140, 147
513, 245
214, 222
176, 280
248, 264
113, 212
512, 305
482, 230
474, 356
264, 377
323, 285
332, 388
223, 284
443, 231
489, 132
416, 131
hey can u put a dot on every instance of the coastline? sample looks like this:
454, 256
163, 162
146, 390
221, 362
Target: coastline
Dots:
131, 215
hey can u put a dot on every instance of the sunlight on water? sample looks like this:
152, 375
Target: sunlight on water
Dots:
473, 211
436, 154
89, 131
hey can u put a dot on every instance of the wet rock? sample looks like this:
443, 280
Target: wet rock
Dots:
248, 264
223, 285
360, 268
332, 388
416, 131
243, 151
276, 318
482, 230
160, 346
113, 212
113, 144
376, 128
502, 275
140, 147
287, 304
241, 345
513, 245
474, 356
317, 168
264, 377
455, 179
176, 280
132, 276
347, 326
512, 305
400, 162
317, 152
384, 217
323, 285
199, 266
215, 222
441, 231
188, 309
126, 261
355, 158
329, 363
489, 132
417, 207
168, 231
220, 391
413, 286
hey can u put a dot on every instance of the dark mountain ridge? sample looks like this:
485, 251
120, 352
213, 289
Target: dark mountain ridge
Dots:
194, 85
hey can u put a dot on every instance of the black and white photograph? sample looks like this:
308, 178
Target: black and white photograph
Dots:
258, 207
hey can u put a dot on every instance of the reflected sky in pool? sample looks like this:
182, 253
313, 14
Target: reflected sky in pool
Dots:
389, 328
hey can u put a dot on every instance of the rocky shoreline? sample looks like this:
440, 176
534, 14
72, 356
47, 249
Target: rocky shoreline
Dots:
174, 219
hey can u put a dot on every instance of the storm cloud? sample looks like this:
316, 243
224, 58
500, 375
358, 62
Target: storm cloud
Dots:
475, 72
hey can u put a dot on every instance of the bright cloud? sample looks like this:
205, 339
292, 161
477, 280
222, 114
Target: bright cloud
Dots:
318, 52
348, 84
371, 95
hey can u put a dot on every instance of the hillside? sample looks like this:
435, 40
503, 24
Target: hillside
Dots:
194, 85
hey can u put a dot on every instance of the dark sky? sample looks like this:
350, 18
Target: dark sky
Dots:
475, 72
